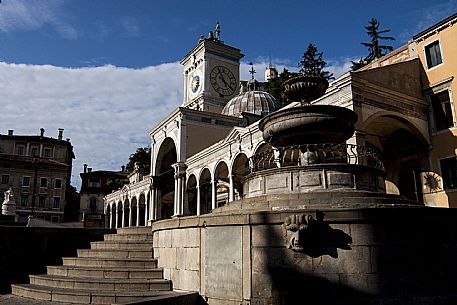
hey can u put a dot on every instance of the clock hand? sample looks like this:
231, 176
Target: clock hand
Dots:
225, 82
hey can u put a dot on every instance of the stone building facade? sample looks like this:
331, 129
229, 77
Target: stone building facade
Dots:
200, 152
38, 171
95, 185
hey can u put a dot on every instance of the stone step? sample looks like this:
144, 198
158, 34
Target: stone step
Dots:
113, 273
98, 284
106, 253
134, 230
178, 298
85, 297
110, 262
124, 244
131, 237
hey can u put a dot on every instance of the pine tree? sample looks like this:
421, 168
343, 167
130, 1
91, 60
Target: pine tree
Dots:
313, 64
375, 50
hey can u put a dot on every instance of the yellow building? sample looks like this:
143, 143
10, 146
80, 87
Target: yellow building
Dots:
437, 50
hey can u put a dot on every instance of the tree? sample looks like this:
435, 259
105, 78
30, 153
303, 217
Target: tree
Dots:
143, 157
275, 86
375, 49
115, 184
313, 64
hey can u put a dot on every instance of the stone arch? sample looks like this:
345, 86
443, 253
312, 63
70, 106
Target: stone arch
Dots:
120, 207
191, 193
403, 149
126, 213
134, 212
221, 178
205, 191
142, 210
239, 170
166, 157
396, 118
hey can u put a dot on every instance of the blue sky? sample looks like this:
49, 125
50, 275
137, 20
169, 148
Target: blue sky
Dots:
108, 70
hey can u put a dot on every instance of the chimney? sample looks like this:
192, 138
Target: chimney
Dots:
85, 168
60, 134
10, 132
89, 169
123, 168
41, 132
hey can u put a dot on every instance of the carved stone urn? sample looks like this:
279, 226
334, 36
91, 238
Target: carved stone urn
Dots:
307, 124
305, 88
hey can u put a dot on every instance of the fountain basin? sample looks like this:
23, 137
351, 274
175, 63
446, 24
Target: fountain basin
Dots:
308, 124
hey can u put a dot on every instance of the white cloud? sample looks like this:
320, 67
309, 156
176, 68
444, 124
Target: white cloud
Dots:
106, 111
340, 66
33, 15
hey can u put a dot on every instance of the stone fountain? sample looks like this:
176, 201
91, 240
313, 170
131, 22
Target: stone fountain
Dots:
315, 225
309, 155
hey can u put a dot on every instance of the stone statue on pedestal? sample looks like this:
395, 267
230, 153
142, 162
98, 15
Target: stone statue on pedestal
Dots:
9, 206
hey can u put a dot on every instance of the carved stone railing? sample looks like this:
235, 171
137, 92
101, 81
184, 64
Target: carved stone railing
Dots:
309, 154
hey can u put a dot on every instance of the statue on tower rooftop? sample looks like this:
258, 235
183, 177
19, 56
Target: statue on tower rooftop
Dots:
217, 31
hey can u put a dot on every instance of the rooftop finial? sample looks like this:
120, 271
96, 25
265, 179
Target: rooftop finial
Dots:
252, 71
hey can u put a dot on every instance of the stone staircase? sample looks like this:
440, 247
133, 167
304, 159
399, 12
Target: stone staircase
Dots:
120, 269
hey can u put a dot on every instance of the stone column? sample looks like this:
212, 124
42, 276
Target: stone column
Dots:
122, 216
213, 194
231, 189
146, 208
153, 203
110, 216
176, 197
199, 205
180, 187
154, 199
138, 211
130, 213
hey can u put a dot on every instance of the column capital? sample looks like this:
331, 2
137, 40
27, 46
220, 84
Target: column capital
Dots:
180, 169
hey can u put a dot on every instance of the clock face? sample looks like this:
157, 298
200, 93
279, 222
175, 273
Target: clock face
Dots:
195, 83
223, 80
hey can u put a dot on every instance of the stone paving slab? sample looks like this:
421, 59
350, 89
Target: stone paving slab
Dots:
9, 299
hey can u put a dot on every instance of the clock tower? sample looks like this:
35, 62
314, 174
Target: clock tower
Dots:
211, 75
